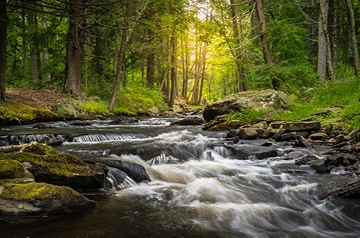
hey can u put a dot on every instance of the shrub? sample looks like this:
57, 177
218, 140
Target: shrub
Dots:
136, 98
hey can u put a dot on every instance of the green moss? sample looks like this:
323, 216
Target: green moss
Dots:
21, 113
11, 169
16, 181
56, 164
40, 149
43, 192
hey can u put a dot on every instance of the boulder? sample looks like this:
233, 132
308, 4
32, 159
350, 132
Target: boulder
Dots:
248, 133
319, 136
265, 99
41, 199
252, 152
10, 169
302, 126
123, 120
135, 171
59, 169
189, 121
349, 190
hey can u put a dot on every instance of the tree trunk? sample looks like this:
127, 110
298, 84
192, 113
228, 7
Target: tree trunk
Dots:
240, 82
185, 66
74, 47
310, 32
203, 67
24, 41
33, 48
325, 66
195, 90
353, 42
45, 44
121, 55
3, 43
150, 67
173, 78
264, 44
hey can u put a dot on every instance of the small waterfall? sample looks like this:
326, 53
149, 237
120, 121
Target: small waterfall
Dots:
102, 137
118, 180
42, 138
163, 159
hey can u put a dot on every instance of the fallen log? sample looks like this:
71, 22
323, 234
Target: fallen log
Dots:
350, 190
12, 148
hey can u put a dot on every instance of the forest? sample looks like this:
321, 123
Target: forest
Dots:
129, 54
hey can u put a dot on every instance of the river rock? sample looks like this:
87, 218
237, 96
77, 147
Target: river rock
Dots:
189, 121
135, 171
10, 169
124, 120
349, 190
337, 160
319, 136
41, 199
252, 152
59, 169
264, 99
249, 133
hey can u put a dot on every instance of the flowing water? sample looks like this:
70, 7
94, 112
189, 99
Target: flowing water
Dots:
201, 186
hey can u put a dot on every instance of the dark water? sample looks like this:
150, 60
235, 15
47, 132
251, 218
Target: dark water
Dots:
199, 187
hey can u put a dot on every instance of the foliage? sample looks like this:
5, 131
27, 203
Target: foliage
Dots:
247, 115
95, 107
294, 79
351, 115
339, 93
136, 98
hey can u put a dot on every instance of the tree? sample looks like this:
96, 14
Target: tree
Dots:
3, 43
75, 47
325, 66
262, 25
121, 55
353, 41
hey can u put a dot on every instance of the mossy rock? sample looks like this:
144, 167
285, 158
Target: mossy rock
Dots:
11, 169
39, 149
41, 198
61, 169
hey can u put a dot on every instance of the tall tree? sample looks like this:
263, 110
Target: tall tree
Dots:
236, 23
173, 74
74, 47
262, 25
3, 43
45, 45
121, 54
33, 42
325, 66
353, 41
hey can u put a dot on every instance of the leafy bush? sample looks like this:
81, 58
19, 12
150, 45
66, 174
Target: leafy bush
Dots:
351, 115
294, 79
95, 107
136, 98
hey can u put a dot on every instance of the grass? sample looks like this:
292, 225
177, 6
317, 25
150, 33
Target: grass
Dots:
343, 93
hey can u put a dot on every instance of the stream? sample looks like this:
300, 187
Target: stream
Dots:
202, 185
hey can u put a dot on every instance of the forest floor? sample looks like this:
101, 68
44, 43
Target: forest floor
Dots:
40, 98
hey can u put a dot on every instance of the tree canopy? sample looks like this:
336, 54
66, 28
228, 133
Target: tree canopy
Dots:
196, 50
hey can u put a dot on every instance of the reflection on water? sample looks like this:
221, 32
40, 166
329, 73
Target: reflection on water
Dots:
199, 189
